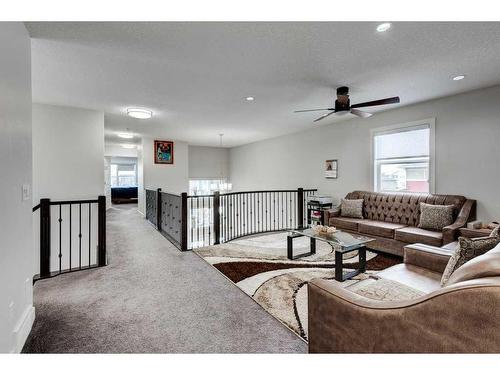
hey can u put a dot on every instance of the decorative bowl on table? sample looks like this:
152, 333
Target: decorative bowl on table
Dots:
324, 229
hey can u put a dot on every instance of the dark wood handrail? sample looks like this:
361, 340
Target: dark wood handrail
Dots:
84, 201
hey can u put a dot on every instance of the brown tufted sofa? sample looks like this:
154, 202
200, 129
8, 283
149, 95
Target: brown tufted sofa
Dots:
461, 317
392, 219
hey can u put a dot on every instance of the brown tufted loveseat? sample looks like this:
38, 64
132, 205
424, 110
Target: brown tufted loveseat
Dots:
392, 219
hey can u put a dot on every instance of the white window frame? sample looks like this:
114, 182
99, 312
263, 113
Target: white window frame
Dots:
117, 173
429, 122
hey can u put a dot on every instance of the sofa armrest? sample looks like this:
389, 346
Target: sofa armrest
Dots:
327, 214
341, 321
467, 213
428, 257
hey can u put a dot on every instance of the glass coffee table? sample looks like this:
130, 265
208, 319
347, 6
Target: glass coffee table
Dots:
341, 242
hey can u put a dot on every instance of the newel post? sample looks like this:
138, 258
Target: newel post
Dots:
216, 218
158, 209
101, 230
44, 238
184, 223
300, 208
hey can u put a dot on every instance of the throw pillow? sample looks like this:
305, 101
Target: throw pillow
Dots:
435, 216
351, 208
467, 249
495, 232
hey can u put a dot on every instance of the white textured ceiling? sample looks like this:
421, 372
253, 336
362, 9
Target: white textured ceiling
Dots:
195, 76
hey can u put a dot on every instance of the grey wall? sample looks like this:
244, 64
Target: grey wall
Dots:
208, 162
16, 254
467, 151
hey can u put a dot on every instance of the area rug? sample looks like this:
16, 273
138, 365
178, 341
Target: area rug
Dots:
259, 266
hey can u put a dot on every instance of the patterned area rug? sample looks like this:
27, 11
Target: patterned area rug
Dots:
259, 266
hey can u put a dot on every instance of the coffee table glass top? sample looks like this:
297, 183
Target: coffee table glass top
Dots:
345, 240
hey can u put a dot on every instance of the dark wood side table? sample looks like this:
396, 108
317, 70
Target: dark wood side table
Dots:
474, 233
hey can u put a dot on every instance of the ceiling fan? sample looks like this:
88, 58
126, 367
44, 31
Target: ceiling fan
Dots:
343, 105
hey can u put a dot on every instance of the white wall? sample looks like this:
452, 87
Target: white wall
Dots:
208, 162
117, 150
172, 178
467, 152
68, 152
16, 254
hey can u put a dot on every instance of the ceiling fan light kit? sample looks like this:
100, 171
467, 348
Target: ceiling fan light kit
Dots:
343, 105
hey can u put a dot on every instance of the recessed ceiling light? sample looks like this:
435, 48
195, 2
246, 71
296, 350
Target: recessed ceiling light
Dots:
249, 98
142, 114
125, 135
458, 78
128, 145
383, 27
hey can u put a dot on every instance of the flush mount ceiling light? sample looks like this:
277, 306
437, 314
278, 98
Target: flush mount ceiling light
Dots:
383, 27
125, 135
249, 98
139, 113
128, 145
458, 78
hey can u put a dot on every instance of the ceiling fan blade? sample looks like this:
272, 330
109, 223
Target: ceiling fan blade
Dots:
324, 116
392, 100
359, 113
311, 110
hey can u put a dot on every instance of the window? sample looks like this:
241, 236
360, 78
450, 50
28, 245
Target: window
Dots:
123, 175
206, 187
402, 158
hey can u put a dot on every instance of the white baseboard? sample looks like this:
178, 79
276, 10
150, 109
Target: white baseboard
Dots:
23, 329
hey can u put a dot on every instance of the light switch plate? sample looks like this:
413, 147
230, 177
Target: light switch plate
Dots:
26, 192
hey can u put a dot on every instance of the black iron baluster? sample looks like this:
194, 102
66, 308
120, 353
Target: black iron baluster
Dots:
191, 219
70, 220
246, 209
238, 215
203, 220
210, 216
274, 211
60, 238
261, 209
90, 222
80, 239
253, 212
281, 227
197, 221
268, 200
233, 231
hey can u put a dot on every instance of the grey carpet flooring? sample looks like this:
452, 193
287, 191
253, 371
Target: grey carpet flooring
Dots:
151, 298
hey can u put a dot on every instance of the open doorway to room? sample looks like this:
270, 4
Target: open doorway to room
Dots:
121, 175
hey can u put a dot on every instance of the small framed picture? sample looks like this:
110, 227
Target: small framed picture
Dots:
164, 152
331, 167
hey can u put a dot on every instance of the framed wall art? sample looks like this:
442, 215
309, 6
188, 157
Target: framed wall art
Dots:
331, 167
164, 152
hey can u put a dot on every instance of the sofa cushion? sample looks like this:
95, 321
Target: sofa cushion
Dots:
413, 235
385, 290
435, 216
348, 223
415, 277
379, 228
467, 249
351, 208
495, 232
